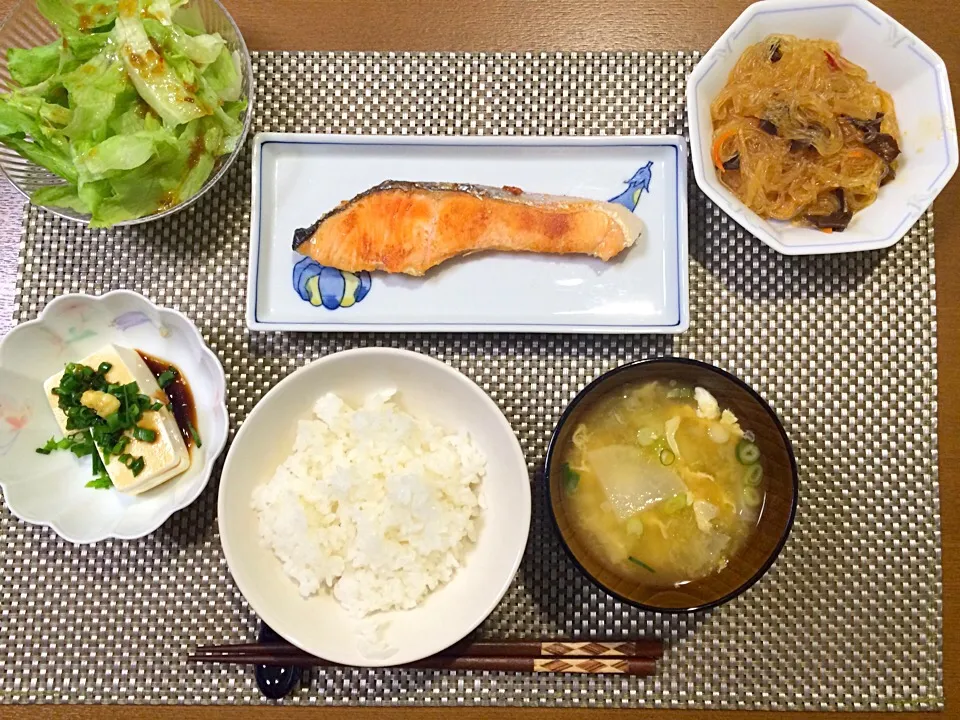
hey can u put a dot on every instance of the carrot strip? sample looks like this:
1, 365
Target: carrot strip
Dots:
718, 144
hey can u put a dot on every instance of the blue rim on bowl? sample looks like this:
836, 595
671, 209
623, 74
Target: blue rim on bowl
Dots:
896, 60
661, 368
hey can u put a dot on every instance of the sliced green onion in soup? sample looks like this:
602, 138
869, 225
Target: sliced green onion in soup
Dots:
647, 436
667, 457
635, 526
571, 478
754, 475
747, 452
675, 504
641, 563
751, 496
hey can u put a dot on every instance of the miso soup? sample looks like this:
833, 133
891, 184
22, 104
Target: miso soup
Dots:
662, 484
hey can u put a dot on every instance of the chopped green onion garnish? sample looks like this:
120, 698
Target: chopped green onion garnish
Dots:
111, 435
571, 478
675, 504
48, 447
144, 434
98, 466
641, 563
751, 496
81, 447
754, 475
747, 452
166, 377
101, 482
667, 457
647, 436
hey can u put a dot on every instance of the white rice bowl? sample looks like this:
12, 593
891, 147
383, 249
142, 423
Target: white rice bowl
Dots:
373, 503
318, 623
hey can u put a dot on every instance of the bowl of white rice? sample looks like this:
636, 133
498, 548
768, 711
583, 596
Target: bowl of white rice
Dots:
374, 507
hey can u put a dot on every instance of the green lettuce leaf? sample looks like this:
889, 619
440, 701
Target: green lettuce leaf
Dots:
201, 143
223, 77
199, 49
94, 90
74, 16
177, 172
154, 78
45, 148
33, 65
134, 116
122, 152
64, 196
60, 15
189, 19
85, 46
45, 117
44, 156
162, 10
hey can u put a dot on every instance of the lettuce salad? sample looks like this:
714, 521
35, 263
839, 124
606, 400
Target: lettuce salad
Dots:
131, 107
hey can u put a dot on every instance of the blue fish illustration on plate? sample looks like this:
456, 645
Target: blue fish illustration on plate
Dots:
325, 286
640, 181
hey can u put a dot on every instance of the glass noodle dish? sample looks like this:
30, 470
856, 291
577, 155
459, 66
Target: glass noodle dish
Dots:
131, 106
662, 485
801, 134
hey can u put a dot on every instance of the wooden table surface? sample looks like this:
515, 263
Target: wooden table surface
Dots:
518, 25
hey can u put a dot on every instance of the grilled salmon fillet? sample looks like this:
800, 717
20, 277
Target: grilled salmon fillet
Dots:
406, 227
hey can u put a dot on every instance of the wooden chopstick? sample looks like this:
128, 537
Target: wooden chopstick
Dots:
643, 647
635, 657
593, 665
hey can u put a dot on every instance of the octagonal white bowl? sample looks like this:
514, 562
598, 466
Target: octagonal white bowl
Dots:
425, 388
49, 489
897, 61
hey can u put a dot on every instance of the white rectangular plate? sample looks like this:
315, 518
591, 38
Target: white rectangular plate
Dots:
297, 178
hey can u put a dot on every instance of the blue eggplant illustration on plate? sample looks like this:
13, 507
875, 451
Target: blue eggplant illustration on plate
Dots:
325, 286
640, 181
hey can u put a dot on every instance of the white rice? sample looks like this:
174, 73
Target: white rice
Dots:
376, 504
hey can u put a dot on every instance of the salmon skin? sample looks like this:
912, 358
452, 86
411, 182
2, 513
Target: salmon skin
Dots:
410, 227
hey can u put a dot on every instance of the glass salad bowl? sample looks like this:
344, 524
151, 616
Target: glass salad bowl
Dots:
26, 27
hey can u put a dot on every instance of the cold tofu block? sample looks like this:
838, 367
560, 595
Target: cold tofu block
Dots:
167, 456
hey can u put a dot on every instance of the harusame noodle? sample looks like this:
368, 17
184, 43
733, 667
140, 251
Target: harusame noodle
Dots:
801, 134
